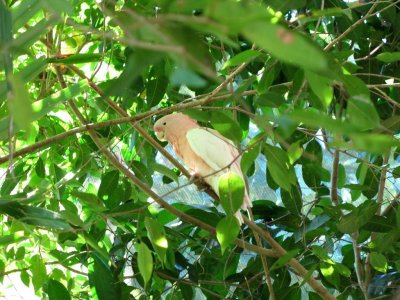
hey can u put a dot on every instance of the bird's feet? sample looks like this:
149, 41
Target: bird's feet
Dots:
198, 180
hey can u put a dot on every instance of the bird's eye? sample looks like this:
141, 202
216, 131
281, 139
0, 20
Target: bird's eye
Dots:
165, 123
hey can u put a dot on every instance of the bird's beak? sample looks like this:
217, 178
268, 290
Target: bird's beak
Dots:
160, 135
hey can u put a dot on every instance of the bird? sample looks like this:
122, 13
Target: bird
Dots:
204, 151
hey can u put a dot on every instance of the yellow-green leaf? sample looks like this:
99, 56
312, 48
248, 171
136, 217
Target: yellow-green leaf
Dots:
19, 103
156, 234
145, 262
379, 262
231, 192
286, 45
227, 230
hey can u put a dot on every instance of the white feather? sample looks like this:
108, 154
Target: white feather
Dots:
210, 146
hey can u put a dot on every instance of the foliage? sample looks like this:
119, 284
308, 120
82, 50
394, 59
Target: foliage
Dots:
310, 86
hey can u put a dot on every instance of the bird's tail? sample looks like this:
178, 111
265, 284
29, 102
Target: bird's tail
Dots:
247, 204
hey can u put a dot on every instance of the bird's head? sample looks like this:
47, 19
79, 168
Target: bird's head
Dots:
173, 123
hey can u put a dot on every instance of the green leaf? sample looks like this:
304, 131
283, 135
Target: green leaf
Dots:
44, 106
80, 58
27, 73
11, 239
227, 230
316, 119
19, 103
341, 176
284, 259
286, 45
379, 224
342, 269
34, 215
251, 153
39, 274
5, 37
295, 151
242, 57
109, 182
358, 217
142, 172
25, 278
30, 36
292, 199
368, 176
59, 6
156, 89
157, 237
266, 80
40, 169
279, 166
388, 57
165, 171
183, 76
145, 262
391, 124
101, 278
270, 99
231, 192
379, 262
355, 86
57, 291
225, 125
371, 142
90, 200
321, 86
22, 13
328, 271
362, 113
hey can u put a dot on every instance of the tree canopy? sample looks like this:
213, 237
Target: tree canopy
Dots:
92, 206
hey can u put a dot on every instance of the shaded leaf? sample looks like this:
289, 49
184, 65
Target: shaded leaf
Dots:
286, 45
362, 113
270, 99
279, 167
283, 260
388, 57
101, 278
57, 291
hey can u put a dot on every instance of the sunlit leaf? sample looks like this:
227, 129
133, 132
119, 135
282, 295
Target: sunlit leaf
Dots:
227, 231
156, 234
379, 262
242, 57
321, 86
231, 192
20, 103
39, 273
145, 262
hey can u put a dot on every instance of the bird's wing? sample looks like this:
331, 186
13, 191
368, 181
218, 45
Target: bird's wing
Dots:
217, 151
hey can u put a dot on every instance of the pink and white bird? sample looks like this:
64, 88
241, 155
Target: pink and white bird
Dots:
205, 151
